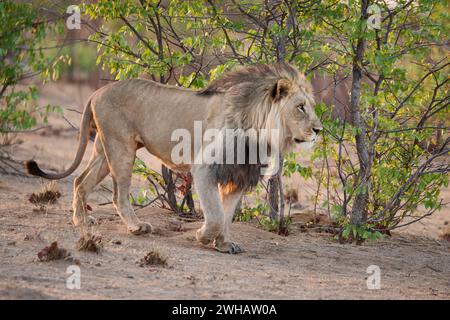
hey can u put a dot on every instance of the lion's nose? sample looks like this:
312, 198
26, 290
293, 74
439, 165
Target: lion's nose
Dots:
317, 130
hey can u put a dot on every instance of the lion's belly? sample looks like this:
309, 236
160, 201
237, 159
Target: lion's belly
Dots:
181, 167
161, 147
177, 168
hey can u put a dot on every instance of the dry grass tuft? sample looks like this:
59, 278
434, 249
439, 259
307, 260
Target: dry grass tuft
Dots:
52, 252
91, 243
153, 258
48, 195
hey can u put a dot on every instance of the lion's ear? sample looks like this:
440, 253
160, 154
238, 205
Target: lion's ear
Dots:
281, 89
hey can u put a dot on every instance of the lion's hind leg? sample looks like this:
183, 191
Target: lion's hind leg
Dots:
94, 173
120, 155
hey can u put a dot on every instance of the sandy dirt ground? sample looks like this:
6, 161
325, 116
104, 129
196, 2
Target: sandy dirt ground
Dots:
414, 262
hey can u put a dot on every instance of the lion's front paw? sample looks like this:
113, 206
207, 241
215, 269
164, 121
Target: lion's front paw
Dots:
228, 247
200, 236
207, 235
141, 228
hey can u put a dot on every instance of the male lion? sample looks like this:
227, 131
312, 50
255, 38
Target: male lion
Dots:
132, 114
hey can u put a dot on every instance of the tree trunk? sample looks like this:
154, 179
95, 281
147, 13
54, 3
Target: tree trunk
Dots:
359, 209
238, 209
189, 199
276, 196
170, 187
274, 191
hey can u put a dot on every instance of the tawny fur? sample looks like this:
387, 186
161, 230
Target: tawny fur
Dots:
138, 113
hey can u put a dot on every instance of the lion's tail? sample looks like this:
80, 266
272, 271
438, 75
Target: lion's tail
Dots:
83, 138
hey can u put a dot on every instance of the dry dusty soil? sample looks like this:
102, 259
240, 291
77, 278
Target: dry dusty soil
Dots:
414, 262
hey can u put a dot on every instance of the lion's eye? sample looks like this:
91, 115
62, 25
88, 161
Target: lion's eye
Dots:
301, 108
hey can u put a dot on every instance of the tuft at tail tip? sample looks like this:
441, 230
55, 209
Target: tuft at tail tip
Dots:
33, 168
